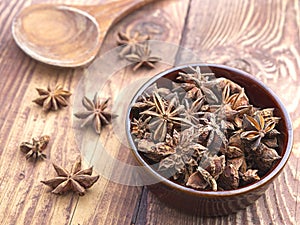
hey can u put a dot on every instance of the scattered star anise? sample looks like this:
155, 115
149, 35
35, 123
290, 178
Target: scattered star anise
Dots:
35, 149
131, 42
95, 113
52, 99
142, 57
77, 180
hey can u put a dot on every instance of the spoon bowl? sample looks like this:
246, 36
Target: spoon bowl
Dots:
67, 36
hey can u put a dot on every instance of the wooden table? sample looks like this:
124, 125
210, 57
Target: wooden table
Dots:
263, 33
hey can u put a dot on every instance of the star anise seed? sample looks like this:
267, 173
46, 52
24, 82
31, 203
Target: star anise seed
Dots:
142, 57
255, 129
77, 180
95, 113
166, 113
52, 99
131, 42
35, 149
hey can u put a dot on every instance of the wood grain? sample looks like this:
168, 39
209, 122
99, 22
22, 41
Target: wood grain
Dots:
264, 33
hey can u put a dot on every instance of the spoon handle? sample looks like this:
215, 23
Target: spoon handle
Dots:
111, 12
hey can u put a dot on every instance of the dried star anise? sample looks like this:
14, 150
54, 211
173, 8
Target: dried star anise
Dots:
216, 136
95, 113
202, 81
255, 129
52, 99
35, 149
184, 155
202, 132
139, 127
208, 172
142, 57
131, 42
165, 114
77, 180
192, 111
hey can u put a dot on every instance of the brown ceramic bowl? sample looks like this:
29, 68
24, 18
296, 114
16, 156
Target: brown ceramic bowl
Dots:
210, 203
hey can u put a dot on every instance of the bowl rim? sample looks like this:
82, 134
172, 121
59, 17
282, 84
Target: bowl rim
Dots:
266, 179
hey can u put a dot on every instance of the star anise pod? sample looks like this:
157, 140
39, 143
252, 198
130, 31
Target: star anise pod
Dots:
131, 42
35, 149
192, 110
231, 104
255, 128
155, 151
96, 113
52, 99
204, 81
216, 137
265, 158
165, 114
77, 180
208, 172
139, 127
250, 176
197, 76
229, 179
185, 150
142, 57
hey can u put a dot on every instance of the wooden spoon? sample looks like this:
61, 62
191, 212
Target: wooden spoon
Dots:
68, 36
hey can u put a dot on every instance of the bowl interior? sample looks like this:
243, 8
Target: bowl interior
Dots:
259, 95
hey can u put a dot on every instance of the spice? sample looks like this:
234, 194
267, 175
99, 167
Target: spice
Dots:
78, 180
52, 99
142, 57
96, 113
164, 116
131, 43
203, 132
35, 149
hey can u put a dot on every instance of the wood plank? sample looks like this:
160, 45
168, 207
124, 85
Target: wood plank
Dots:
265, 34
115, 203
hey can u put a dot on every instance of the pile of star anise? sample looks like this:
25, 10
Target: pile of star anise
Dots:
202, 132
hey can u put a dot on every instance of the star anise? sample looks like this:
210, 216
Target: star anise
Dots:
52, 99
167, 113
139, 127
231, 105
185, 153
131, 42
155, 151
229, 179
142, 57
265, 158
255, 128
197, 76
207, 173
250, 176
95, 113
204, 81
192, 110
217, 137
77, 180
35, 149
